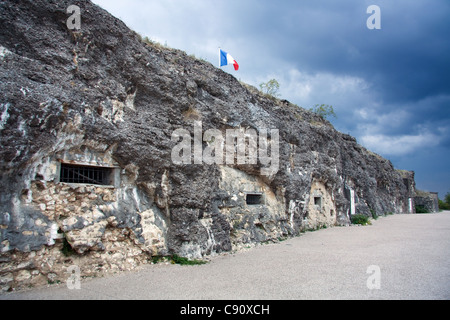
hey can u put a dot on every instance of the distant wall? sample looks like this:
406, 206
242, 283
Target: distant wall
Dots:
428, 200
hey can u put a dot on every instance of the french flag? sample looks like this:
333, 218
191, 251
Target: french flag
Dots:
226, 59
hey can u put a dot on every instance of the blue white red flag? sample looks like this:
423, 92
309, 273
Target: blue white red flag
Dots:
226, 59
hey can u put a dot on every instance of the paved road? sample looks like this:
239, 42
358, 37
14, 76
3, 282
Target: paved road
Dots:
410, 255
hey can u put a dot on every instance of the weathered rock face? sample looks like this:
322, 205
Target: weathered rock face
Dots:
100, 98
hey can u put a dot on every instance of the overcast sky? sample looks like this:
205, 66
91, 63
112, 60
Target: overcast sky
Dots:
390, 88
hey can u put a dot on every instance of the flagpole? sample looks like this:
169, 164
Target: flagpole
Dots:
220, 59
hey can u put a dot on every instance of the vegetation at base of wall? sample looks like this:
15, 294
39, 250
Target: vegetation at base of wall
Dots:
421, 209
312, 229
175, 259
374, 214
360, 219
52, 282
185, 261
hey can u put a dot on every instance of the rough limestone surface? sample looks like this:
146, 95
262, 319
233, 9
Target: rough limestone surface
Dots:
100, 96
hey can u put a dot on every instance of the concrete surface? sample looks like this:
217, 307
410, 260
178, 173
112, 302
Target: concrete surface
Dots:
398, 257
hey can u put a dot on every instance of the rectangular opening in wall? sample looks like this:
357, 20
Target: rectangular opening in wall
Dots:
318, 201
254, 199
79, 174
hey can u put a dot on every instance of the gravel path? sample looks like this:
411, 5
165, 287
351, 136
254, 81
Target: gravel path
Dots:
407, 256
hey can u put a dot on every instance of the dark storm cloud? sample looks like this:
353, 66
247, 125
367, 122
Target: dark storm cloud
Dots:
406, 60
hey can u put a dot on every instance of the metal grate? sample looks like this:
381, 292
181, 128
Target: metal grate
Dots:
254, 199
84, 174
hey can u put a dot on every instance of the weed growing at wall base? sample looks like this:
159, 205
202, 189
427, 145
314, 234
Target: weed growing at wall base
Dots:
175, 259
360, 219
421, 209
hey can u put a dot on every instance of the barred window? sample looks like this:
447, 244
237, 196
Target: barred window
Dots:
254, 199
85, 174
